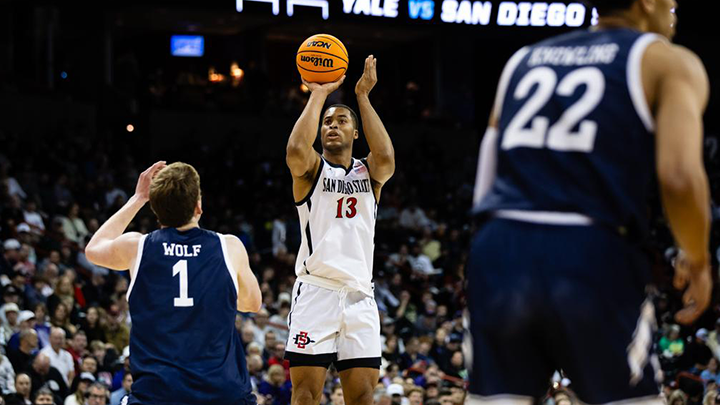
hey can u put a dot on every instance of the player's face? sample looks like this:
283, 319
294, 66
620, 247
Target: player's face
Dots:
663, 19
337, 131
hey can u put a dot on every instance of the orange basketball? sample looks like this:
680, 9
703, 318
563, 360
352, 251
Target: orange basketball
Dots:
322, 58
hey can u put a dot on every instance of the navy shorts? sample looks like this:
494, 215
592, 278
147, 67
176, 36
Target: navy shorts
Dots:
548, 297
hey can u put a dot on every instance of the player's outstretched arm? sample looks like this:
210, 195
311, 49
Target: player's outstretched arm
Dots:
109, 247
249, 295
381, 159
301, 158
681, 94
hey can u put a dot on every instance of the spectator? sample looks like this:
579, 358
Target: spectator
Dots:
671, 345
23, 389
414, 218
61, 319
34, 292
25, 265
119, 394
396, 393
255, 368
336, 395
60, 358
10, 256
430, 247
20, 357
696, 354
711, 371
44, 397
74, 227
33, 218
92, 324
278, 322
412, 356
7, 376
77, 347
677, 398
98, 394
78, 397
87, 367
269, 349
116, 333
42, 326
713, 341
120, 374
415, 396
455, 368
261, 326
390, 351
276, 387
10, 323
42, 373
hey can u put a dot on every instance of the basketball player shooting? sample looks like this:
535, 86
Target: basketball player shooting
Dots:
583, 124
334, 318
187, 285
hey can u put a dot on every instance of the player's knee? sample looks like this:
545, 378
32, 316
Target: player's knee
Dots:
304, 395
359, 396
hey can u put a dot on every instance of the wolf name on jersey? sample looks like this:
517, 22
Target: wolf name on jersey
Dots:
183, 302
575, 130
337, 220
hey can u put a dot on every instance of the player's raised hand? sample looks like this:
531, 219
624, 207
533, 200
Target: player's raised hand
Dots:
696, 277
142, 190
325, 88
369, 77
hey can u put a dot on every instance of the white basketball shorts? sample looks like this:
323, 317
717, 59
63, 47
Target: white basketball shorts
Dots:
328, 326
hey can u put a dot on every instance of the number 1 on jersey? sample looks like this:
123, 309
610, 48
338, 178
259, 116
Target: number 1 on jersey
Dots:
183, 300
352, 211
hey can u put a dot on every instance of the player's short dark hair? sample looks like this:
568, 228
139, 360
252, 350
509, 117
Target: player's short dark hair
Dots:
352, 113
174, 193
606, 7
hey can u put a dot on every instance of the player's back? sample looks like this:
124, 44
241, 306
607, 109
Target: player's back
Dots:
183, 299
575, 131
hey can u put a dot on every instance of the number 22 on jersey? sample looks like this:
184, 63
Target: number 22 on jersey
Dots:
559, 136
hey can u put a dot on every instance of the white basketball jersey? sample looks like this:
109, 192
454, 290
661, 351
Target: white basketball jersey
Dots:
337, 223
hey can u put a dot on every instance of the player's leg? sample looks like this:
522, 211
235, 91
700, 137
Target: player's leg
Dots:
506, 359
307, 384
603, 332
312, 340
359, 349
358, 385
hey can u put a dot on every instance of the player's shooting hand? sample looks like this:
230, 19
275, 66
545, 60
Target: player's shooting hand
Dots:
142, 190
696, 277
324, 88
369, 77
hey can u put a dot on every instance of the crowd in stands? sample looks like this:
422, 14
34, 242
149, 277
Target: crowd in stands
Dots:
65, 323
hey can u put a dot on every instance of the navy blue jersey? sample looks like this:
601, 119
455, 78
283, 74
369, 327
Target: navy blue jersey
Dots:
575, 131
184, 348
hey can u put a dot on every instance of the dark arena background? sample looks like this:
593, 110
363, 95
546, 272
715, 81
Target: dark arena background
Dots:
91, 95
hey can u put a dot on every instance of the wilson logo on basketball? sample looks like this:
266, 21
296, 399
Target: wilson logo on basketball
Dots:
302, 340
319, 44
316, 61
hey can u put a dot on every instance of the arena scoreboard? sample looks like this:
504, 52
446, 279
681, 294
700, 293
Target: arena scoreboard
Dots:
460, 12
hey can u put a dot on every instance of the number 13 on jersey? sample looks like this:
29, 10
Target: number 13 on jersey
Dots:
351, 202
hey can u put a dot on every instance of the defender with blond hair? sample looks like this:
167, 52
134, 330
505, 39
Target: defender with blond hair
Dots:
187, 284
